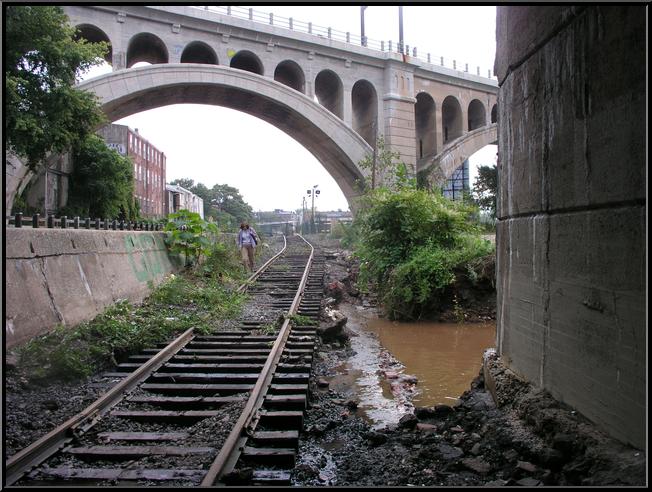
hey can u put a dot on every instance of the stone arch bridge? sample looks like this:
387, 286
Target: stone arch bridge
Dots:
332, 96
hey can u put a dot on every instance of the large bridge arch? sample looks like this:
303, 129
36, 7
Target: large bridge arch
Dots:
435, 170
333, 143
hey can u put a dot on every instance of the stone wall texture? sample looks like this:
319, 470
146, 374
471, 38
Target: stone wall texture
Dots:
571, 236
55, 276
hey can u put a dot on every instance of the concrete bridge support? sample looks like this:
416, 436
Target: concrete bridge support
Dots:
572, 207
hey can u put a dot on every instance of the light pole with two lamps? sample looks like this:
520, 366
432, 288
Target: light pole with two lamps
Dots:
312, 192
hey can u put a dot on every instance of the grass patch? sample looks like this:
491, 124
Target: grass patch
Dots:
180, 302
299, 320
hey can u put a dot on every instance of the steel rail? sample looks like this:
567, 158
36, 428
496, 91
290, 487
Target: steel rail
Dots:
235, 442
258, 272
37, 452
49, 444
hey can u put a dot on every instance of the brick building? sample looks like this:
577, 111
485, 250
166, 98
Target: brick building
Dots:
149, 167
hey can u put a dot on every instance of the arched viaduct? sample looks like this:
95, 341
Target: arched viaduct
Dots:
420, 108
333, 143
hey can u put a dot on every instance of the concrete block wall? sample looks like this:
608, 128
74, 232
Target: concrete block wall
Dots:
571, 236
58, 276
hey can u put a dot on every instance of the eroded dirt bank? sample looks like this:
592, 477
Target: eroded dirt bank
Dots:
527, 439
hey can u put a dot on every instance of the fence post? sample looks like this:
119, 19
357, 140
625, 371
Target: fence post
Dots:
348, 37
106, 223
35, 221
271, 19
382, 46
87, 222
122, 224
18, 219
50, 221
251, 14
466, 67
442, 61
98, 223
114, 224
64, 222
428, 57
389, 45
290, 22
75, 223
329, 33
309, 27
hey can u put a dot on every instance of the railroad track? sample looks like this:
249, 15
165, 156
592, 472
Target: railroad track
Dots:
225, 408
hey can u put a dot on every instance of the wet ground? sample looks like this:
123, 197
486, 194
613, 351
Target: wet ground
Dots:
369, 422
364, 428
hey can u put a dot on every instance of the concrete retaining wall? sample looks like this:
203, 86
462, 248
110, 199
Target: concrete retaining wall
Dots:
571, 245
56, 276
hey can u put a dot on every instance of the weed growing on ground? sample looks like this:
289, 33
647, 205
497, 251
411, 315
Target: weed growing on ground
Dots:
180, 302
299, 320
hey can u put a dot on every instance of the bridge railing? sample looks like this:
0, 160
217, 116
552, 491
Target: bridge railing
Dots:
292, 24
51, 222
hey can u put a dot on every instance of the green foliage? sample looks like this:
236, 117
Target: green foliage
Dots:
43, 111
101, 184
300, 320
176, 305
221, 202
223, 261
410, 244
190, 235
387, 171
485, 188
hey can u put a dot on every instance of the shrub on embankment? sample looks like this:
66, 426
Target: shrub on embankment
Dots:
196, 298
414, 246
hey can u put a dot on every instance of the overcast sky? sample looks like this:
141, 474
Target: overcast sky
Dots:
214, 145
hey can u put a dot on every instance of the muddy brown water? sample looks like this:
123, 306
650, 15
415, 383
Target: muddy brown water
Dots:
444, 358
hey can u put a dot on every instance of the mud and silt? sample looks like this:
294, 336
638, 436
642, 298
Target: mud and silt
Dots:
366, 424
369, 423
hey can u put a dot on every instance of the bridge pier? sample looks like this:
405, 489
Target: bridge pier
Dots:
571, 245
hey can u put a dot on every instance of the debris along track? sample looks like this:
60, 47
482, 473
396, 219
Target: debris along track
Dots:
170, 416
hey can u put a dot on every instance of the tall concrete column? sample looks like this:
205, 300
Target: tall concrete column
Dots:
348, 107
398, 110
571, 243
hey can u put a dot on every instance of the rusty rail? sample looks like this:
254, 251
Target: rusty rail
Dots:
231, 450
23, 461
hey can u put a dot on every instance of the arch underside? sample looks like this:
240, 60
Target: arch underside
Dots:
317, 130
437, 169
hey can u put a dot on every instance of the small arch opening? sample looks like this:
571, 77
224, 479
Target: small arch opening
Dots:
424, 124
477, 115
289, 73
94, 34
365, 110
451, 118
246, 60
494, 113
146, 47
199, 52
329, 92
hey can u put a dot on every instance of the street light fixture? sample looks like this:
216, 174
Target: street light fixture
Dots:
312, 192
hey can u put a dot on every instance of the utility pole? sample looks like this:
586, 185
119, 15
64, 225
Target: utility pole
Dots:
363, 38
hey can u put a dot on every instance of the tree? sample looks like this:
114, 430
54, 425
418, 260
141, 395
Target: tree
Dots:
227, 199
186, 183
43, 110
386, 169
102, 182
485, 188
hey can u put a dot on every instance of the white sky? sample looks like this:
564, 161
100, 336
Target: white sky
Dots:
214, 145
